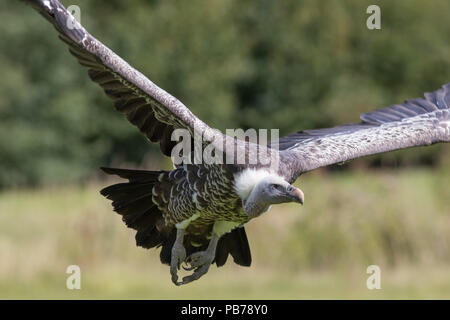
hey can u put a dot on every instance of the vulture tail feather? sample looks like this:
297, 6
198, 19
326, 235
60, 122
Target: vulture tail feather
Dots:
133, 200
235, 243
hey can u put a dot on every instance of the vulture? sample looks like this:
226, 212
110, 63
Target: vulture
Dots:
196, 212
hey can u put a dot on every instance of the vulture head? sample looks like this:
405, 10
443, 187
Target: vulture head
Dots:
261, 189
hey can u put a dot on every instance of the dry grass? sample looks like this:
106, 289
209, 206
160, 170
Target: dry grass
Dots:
398, 220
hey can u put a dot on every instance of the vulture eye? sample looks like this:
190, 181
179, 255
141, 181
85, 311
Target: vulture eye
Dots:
277, 186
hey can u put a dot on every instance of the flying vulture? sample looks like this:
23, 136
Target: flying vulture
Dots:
196, 212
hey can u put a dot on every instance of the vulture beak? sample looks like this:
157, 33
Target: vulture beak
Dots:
298, 195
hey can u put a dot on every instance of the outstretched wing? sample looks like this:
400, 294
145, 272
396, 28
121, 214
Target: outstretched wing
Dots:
416, 122
154, 111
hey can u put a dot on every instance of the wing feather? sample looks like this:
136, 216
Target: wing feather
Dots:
417, 122
154, 111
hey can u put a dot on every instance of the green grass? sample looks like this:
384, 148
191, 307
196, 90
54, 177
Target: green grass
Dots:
399, 220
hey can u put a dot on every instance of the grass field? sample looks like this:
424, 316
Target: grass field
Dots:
398, 220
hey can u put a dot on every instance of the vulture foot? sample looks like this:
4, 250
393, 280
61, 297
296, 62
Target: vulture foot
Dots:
200, 262
199, 259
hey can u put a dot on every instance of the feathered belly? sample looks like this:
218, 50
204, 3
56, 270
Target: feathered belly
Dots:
203, 190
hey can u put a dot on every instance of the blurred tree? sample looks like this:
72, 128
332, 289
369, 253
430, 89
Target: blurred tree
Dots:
267, 64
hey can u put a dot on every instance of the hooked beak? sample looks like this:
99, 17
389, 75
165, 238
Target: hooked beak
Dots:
298, 195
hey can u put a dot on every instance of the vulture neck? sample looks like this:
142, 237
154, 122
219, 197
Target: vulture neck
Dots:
246, 186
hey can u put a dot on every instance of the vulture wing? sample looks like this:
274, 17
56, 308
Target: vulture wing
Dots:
154, 111
416, 122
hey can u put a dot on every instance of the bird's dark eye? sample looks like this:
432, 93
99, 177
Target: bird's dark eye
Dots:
277, 186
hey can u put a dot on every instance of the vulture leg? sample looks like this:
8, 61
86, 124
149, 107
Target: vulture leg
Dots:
201, 261
178, 256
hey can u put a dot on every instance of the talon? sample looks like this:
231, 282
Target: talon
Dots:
197, 274
198, 261
188, 268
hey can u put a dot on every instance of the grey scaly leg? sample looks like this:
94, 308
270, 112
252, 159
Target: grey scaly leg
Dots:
178, 256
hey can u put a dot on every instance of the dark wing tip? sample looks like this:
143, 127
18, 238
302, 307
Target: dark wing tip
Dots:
436, 100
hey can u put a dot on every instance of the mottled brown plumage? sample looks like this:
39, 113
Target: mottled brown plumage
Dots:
153, 202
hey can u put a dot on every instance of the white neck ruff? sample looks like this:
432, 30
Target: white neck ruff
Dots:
246, 180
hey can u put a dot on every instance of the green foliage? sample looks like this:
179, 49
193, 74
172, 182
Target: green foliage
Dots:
265, 64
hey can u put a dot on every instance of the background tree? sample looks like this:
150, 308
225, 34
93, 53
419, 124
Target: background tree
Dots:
265, 64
